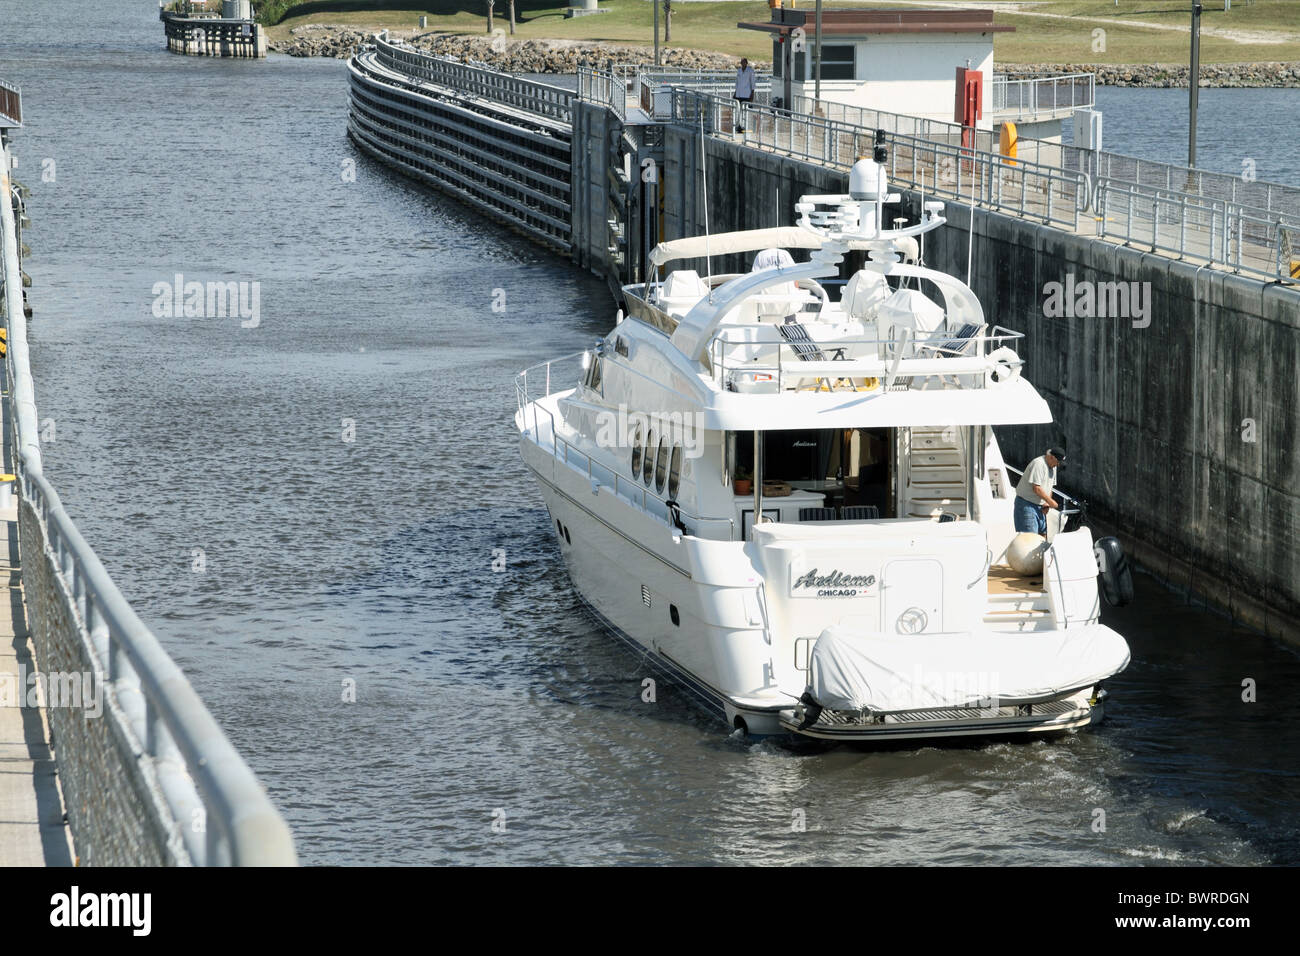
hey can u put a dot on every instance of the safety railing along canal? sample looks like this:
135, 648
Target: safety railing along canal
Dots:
530, 96
942, 170
151, 779
1050, 94
1239, 235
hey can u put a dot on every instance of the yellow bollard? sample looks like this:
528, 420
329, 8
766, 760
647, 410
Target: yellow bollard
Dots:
1008, 141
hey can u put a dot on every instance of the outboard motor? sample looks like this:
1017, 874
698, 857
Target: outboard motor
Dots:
1113, 571
812, 710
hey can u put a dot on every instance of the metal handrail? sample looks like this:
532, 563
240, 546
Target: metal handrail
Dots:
603, 87
1242, 236
1029, 98
899, 370
1214, 230
170, 723
952, 170
562, 447
505, 88
1056, 491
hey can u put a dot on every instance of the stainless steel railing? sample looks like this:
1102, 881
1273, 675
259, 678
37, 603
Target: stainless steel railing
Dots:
153, 780
1242, 236
604, 87
545, 435
762, 349
504, 88
1028, 96
943, 170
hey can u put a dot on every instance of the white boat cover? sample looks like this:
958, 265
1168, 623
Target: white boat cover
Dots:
859, 670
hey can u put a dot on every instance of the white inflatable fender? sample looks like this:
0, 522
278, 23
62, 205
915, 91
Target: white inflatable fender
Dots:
1006, 366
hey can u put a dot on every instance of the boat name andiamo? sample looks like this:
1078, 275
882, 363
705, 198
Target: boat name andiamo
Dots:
835, 584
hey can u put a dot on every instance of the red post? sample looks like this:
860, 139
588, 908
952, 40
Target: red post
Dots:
968, 107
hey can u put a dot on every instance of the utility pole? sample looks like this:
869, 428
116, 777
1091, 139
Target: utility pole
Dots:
817, 62
1194, 84
655, 4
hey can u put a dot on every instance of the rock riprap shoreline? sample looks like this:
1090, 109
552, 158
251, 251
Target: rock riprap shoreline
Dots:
512, 56
564, 56
1164, 75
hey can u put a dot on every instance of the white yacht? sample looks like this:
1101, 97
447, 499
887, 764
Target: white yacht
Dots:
793, 502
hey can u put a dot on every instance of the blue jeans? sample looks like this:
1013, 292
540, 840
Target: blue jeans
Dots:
1029, 516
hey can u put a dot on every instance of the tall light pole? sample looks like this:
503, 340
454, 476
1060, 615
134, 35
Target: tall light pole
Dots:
655, 4
1194, 84
817, 61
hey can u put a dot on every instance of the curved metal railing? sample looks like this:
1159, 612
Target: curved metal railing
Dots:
152, 779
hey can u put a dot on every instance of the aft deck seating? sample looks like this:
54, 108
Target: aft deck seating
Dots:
806, 348
860, 512
957, 344
960, 342
816, 514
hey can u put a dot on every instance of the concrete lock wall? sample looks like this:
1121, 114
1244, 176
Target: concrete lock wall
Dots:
1180, 424
1181, 429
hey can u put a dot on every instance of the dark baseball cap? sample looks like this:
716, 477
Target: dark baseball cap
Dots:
1058, 454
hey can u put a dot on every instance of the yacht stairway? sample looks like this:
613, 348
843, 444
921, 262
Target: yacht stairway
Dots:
1016, 602
935, 469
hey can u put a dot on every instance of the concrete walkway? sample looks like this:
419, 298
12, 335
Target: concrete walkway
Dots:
32, 831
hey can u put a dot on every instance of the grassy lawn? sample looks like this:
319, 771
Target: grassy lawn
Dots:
712, 26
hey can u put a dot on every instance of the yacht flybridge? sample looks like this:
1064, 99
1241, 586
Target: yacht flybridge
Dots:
794, 502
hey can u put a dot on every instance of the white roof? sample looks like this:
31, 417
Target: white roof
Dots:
756, 240
1011, 403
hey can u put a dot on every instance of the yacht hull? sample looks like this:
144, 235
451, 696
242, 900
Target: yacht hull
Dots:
642, 588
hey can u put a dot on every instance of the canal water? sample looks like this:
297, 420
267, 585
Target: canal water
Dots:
310, 509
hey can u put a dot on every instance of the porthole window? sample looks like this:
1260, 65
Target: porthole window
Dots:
661, 467
675, 473
567, 539
648, 464
636, 450
672, 613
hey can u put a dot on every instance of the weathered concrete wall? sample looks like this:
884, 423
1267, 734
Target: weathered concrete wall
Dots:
747, 189
592, 128
1181, 433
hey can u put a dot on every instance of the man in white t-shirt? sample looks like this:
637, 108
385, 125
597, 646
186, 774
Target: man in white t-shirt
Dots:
745, 82
1034, 492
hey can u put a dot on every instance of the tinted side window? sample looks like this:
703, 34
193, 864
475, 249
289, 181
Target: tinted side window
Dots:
647, 466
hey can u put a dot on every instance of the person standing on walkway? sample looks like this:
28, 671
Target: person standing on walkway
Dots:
745, 81
1034, 492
